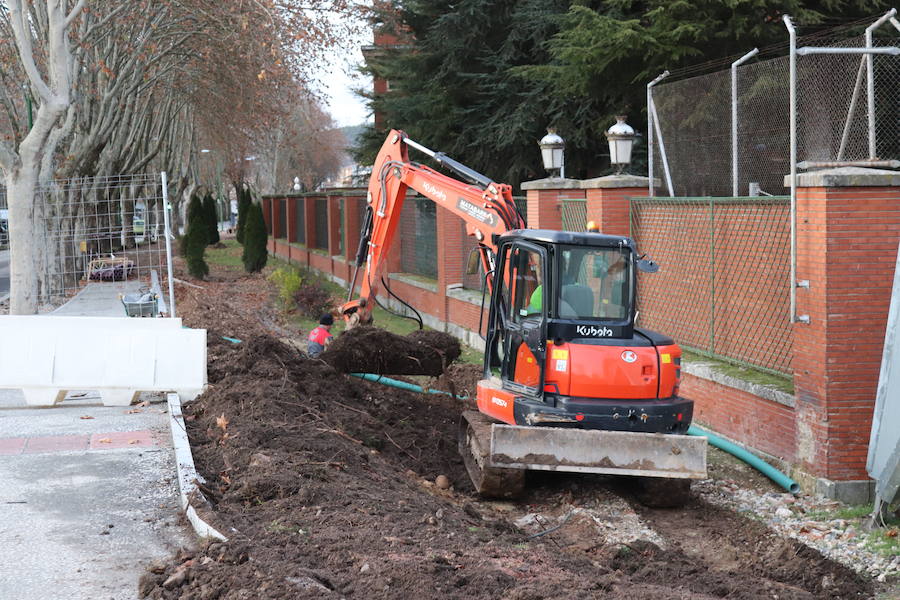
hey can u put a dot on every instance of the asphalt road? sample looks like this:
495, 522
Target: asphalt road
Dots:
4, 272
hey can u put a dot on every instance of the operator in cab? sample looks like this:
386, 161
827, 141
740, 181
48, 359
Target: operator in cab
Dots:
320, 337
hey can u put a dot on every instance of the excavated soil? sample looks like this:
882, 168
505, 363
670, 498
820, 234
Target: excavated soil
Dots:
326, 485
373, 350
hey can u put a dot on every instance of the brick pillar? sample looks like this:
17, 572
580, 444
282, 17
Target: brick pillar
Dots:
334, 225
608, 201
848, 227
309, 221
543, 197
277, 225
450, 254
267, 215
351, 226
291, 218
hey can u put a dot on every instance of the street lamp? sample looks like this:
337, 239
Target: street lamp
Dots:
621, 138
552, 147
296, 184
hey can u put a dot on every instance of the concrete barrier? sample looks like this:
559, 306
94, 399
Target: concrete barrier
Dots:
117, 356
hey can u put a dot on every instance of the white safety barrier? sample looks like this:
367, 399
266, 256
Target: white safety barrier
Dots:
117, 356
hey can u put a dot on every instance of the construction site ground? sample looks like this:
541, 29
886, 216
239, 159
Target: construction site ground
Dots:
330, 486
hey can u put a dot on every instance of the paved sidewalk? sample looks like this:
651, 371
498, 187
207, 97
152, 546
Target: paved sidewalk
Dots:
85, 503
98, 299
88, 493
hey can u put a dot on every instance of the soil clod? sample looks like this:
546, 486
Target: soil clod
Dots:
372, 350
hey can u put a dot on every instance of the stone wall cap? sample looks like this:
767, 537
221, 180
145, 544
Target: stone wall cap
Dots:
846, 177
618, 181
552, 183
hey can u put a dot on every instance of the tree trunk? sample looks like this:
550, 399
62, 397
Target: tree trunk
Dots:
23, 279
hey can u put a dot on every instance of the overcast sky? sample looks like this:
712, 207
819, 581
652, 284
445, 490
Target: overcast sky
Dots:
339, 80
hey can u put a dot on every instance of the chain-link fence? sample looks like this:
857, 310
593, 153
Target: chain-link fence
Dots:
695, 152
721, 285
418, 237
573, 213
299, 230
98, 230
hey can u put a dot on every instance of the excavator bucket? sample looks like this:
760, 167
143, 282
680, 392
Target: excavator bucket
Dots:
596, 451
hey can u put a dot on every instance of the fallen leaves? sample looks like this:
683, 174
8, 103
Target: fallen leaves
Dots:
104, 441
85, 417
222, 422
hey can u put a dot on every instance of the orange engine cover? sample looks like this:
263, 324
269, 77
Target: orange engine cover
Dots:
626, 372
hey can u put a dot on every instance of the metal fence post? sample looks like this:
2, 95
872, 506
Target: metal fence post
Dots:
870, 78
168, 234
734, 116
792, 33
650, 117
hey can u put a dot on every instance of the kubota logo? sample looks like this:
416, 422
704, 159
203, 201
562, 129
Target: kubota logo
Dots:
430, 189
499, 401
591, 331
629, 356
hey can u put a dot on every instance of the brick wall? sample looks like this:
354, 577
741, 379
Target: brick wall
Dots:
847, 247
847, 240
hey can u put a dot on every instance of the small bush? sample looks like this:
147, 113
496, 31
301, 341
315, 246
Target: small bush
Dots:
255, 252
245, 200
313, 300
196, 239
212, 219
288, 281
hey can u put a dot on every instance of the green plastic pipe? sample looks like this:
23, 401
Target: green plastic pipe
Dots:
231, 339
410, 387
754, 461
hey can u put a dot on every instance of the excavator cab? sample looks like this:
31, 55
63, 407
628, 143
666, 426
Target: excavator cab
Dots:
576, 385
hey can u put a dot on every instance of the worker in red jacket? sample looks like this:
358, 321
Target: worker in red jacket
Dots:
320, 337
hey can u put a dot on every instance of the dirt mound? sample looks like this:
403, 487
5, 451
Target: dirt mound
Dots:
373, 350
325, 486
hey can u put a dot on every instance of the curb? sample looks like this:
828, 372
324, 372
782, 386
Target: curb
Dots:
191, 497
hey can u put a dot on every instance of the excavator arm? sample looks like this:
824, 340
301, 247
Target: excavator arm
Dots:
486, 207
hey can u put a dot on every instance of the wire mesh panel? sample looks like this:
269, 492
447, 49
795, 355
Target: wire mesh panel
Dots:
833, 125
695, 122
418, 235
574, 214
763, 126
281, 207
321, 223
99, 230
4, 222
721, 285
299, 229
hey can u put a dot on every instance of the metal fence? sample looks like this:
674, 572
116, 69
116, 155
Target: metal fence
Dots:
4, 234
720, 288
106, 230
321, 223
418, 237
574, 214
728, 133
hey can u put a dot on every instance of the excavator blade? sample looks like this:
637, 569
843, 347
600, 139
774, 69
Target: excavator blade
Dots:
595, 451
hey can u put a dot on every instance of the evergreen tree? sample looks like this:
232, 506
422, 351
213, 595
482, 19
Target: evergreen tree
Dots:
244, 202
482, 79
255, 253
196, 239
212, 218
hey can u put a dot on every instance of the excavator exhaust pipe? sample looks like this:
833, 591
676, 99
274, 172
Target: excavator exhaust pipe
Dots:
596, 451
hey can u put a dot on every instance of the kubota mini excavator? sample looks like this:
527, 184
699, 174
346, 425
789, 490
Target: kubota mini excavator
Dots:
570, 384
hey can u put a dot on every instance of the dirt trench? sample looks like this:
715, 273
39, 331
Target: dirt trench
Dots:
326, 484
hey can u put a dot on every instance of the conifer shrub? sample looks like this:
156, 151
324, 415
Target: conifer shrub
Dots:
212, 219
244, 202
255, 238
196, 239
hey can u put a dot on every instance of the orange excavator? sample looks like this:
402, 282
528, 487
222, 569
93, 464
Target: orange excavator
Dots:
570, 383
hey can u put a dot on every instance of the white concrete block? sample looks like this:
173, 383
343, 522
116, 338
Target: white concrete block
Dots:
116, 356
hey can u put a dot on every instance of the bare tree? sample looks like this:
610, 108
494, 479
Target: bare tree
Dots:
20, 163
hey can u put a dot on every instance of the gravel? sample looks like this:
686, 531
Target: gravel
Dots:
804, 518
